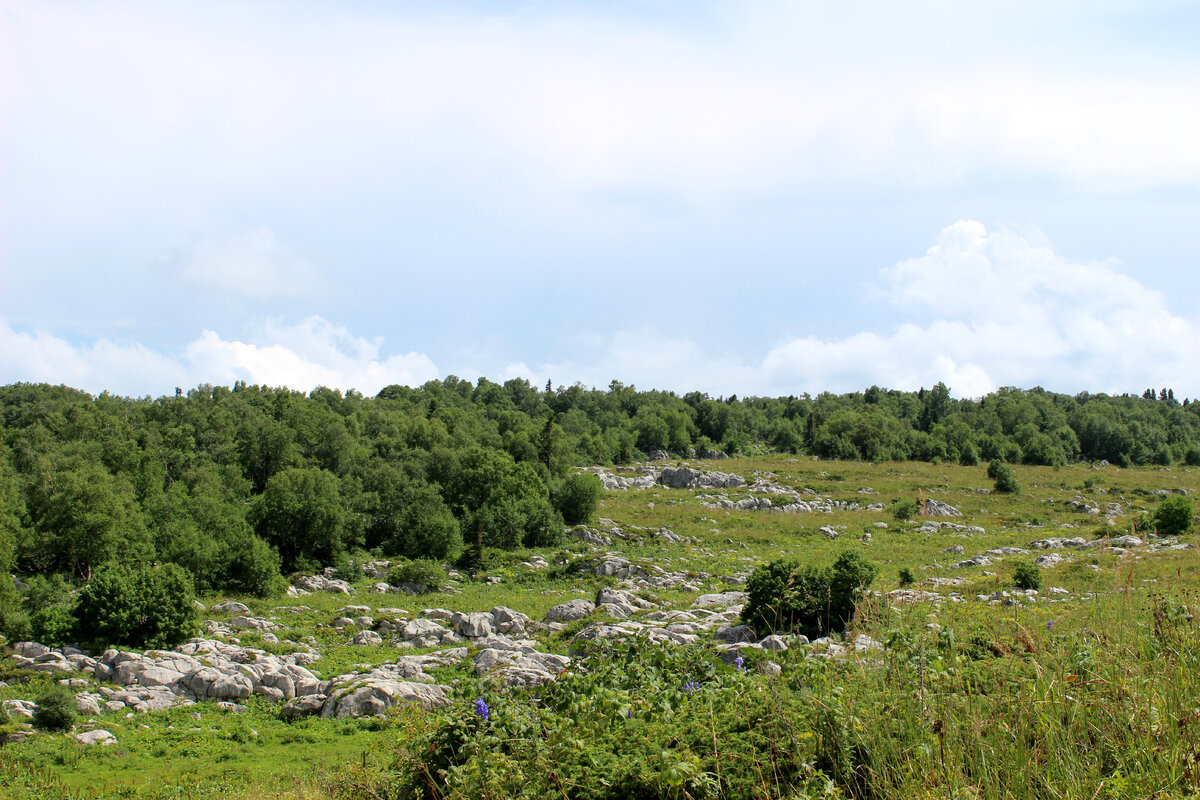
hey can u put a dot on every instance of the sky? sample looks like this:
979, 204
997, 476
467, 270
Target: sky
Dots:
758, 198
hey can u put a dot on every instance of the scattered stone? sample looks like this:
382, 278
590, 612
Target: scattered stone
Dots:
98, 736
231, 607
936, 508
570, 611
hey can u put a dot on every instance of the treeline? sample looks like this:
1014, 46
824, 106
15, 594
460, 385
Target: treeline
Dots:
240, 485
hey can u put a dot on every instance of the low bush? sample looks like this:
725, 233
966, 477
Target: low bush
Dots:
1002, 474
53, 625
904, 509
1027, 575
421, 572
1173, 516
577, 498
144, 606
906, 577
56, 709
809, 599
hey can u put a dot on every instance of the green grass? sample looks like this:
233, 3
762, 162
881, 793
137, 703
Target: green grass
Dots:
1083, 698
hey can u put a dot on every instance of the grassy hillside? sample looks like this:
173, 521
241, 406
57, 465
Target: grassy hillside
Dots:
963, 687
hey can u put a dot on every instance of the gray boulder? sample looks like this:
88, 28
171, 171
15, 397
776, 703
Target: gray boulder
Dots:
231, 607
474, 625
377, 696
736, 634
98, 736
304, 706
571, 611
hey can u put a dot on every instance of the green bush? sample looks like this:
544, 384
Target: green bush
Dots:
419, 572
906, 577
1027, 575
253, 568
809, 599
53, 625
1002, 474
577, 498
145, 606
1173, 516
56, 709
969, 455
904, 509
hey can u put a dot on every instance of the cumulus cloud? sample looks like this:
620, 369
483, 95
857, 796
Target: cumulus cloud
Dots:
1005, 311
986, 309
989, 309
254, 265
312, 353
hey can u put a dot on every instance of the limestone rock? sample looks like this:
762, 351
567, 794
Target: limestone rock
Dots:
231, 607
570, 611
377, 696
98, 736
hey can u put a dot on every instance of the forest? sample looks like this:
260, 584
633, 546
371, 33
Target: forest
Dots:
241, 485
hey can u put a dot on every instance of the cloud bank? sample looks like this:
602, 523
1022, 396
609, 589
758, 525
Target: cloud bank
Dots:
312, 353
987, 308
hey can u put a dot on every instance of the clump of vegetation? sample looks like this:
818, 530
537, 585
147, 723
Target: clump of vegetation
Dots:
55, 709
137, 606
907, 578
904, 509
809, 599
1002, 474
577, 498
1173, 516
1027, 575
422, 574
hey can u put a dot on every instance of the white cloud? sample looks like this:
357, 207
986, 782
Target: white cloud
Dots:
237, 104
992, 309
1005, 311
253, 265
987, 309
312, 353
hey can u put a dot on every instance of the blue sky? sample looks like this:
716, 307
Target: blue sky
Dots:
750, 198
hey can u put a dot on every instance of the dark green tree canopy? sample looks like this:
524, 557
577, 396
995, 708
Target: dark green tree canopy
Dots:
237, 483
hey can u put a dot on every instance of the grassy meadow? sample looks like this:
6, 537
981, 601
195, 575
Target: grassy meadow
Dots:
1092, 692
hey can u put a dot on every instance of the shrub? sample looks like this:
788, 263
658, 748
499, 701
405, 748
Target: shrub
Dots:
137, 606
904, 509
422, 572
906, 577
53, 625
577, 498
56, 710
969, 455
1002, 474
1027, 575
253, 568
1192, 457
809, 599
1173, 516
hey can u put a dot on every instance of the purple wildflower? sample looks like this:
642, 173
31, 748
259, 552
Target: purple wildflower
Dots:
1050, 625
740, 663
629, 713
691, 686
481, 709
